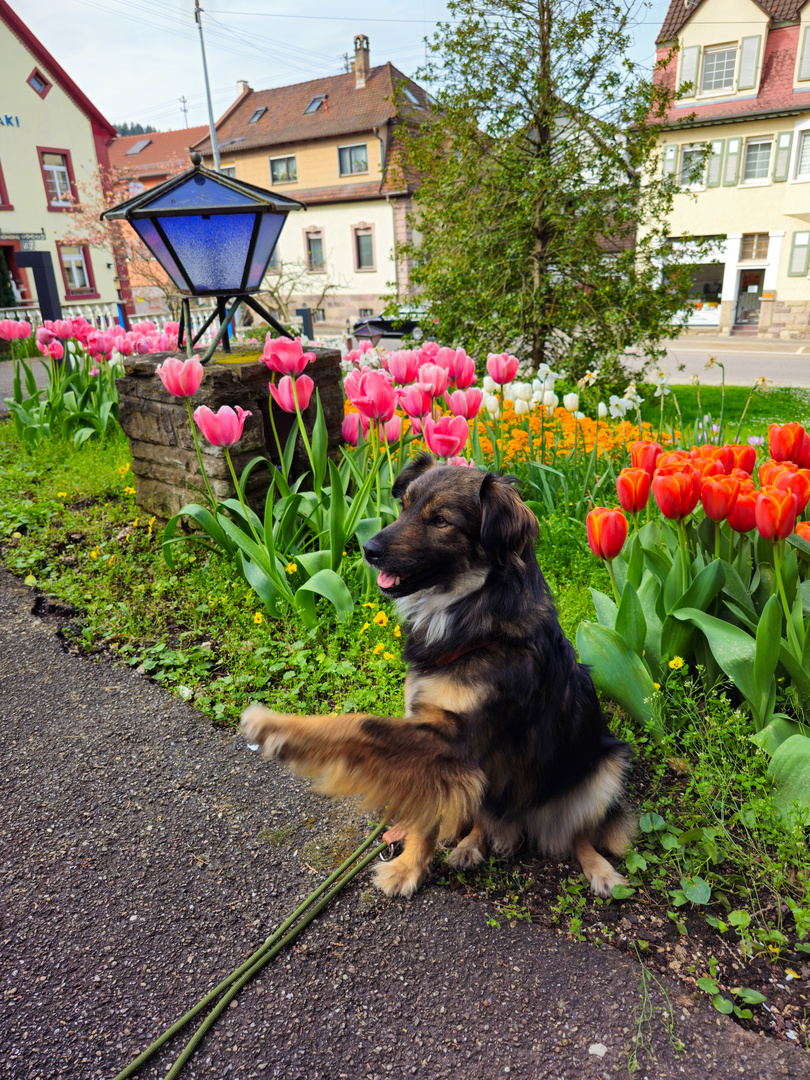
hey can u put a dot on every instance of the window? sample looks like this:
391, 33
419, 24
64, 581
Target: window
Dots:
315, 104
803, 157
57, 172
411, 96
757, 162
4, 199
37, 81
363, 236
366, 312
718, 69
283, 170
353, 159
692, 163
136, 148
228, 170
76, 271
258, 115
319, 315
315, 256
754, 246
273, 266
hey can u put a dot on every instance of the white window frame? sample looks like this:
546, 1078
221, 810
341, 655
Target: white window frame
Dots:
687, 148
802, 141
719, 91
283, 157
70, 262
353, 172
56, 172
756, 181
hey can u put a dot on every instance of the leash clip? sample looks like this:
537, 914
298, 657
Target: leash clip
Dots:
389, 855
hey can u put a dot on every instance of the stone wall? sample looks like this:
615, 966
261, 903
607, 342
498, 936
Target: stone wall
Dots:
164, 461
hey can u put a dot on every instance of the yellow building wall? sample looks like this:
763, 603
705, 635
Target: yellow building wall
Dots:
316, 162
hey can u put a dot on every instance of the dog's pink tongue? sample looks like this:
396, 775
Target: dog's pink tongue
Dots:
386, 581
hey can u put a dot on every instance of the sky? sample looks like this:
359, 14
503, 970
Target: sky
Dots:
135, 59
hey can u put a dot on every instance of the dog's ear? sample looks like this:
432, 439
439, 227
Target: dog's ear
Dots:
508, 527
421, 463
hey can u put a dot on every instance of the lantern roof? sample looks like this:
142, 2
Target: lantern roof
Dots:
201, 191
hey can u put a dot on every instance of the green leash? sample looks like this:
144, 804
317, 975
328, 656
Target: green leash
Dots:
270, 948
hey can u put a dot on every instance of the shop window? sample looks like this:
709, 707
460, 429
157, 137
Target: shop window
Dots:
754, 246
353, 159
57, 174
283, 170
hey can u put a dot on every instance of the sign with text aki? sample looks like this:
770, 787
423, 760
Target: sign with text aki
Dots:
9, 121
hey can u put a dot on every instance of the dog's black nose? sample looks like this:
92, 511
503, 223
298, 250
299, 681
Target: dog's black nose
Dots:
374, 549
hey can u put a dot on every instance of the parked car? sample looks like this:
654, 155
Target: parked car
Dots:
389, 332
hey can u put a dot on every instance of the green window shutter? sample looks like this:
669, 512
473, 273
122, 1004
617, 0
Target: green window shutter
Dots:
749, 62
781, 159
799, 255
670, 160
714, 169
804, 63
690, 63
732, 169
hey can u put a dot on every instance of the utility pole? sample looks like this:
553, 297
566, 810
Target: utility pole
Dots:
184, 107
211, 126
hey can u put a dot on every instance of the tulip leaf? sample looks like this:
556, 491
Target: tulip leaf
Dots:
790, 575
732, 648
337, 516
289, 448
208, 521
630, 622
262, 585
804, 590
320, 442
779, 728
606, 609
769, 634
651, 535
332, 587
314, 561
648, 596
789, 772
616, 670
673, 586
796, 669
620, 572
635, 561
763, 590
800, 544
676, 639
734, 587
657, 563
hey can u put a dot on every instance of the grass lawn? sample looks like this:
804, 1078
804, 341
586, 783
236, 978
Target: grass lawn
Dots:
69, 527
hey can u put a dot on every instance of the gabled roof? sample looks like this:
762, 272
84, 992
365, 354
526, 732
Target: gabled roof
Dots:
346, 110
163, 150
99, 123
680, 11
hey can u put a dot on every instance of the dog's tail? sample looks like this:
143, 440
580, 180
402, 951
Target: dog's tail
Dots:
415, 765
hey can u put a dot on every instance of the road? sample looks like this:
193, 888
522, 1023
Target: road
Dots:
784, 363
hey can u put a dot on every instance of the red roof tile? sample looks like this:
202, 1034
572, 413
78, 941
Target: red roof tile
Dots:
680, 11
166, 148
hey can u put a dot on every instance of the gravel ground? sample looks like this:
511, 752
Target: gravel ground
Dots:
145, 855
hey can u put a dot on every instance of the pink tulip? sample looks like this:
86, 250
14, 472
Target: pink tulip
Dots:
44, 335
445, 437
94, 370
124, 345
350, 429
146, 327
181, 378
53, 349
445, 358
8, 330
172, 328
502, 367
435, 377
428, 352
285, 356
283, 393
461, 461
376, 399
221, 428
351, 384
81, 329
415, 399
462, 371
466, 403
141, 346
63, 328
391, 431
402, 366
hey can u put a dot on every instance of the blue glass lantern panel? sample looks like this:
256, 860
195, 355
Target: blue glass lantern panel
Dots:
151, 237
213, 250
268, 235
199, 193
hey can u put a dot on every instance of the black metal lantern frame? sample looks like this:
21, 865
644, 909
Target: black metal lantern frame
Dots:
214, 236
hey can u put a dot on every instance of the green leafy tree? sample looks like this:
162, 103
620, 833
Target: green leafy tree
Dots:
135, 129
541, 206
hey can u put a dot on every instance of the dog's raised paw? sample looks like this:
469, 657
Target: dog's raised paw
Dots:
259, 726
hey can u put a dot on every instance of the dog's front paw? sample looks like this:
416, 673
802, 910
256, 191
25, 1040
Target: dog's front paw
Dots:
399, 877
261, 727
466, 855
603, 880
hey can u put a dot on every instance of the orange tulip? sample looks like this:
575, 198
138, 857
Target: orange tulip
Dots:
799, 483
633, 489
645, 455
775, 513
789, 443
719, 496
674, 458
803, 530
677, 491
722, 454
745, 457
607, 532
708, 467
770, 469
742, 518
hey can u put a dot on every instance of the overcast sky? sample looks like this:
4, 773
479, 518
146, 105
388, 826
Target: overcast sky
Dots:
136, 58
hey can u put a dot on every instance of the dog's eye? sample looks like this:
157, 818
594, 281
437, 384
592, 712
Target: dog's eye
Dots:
440, 522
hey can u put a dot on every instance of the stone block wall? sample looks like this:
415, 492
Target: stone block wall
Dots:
164, 461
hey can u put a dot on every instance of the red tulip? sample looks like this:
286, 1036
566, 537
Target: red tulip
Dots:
221, 428
466, 403
645, 455
607, 532
799, 483
745, 457
775, 513
283, 393
673, 459
181, 378
803, 530
502, 367
285, 356
769, 470
446, 436
724, 455
633, 489
742, 518
708, 467
719, 497
676, 492
789, 443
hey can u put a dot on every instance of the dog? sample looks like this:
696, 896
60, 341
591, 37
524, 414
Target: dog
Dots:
503, 739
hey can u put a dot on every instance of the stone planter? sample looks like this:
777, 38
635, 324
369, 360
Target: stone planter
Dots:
164, 461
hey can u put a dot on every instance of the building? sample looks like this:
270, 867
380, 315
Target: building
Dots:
51, 139
331, 143
739, 143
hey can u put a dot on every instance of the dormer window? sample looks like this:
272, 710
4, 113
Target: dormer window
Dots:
141, 144
315, 104
411, 96
258, 115
718, 69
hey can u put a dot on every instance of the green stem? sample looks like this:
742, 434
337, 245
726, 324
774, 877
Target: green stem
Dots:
211, 498
684, 553
780, 584
609, 563
241, 498
281, 461
717, 539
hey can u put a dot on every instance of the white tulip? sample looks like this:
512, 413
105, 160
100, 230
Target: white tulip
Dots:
538, 385
521, 407
571, 402
550, 400
509, 392
489, 385
491, 404
601, 410
523, 391
537, 397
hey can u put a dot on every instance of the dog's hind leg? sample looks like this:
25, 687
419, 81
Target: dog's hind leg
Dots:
471, 851
600, 874
403, 875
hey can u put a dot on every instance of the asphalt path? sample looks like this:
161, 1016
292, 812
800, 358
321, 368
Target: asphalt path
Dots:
144, 855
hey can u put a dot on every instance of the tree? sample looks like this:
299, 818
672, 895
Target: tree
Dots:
135, 129
292, 279
541, 208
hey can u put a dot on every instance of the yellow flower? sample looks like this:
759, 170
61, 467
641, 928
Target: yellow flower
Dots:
122, 469
111, 560
657, 685
388, 656
369, 605
378, 649
61, 494
381, 619
135, 523
676, 663
397, 632
257, 618
152, 521
129, 490
291, 568
94, 554
365, 626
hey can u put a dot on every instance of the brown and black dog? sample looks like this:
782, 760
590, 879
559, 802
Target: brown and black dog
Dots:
503, 738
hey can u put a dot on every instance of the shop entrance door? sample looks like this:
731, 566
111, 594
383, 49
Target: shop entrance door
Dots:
749, 298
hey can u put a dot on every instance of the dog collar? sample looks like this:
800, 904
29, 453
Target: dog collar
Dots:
452, 657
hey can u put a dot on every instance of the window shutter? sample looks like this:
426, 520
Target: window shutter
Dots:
799, 255
714, 171
804, 62
670, 160
732, 169
749, 62
781, 161
690, 62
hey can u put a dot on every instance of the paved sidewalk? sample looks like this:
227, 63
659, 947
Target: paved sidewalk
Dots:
136, 873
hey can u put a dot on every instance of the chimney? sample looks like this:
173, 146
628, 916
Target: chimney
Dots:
361, 64
242, 86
